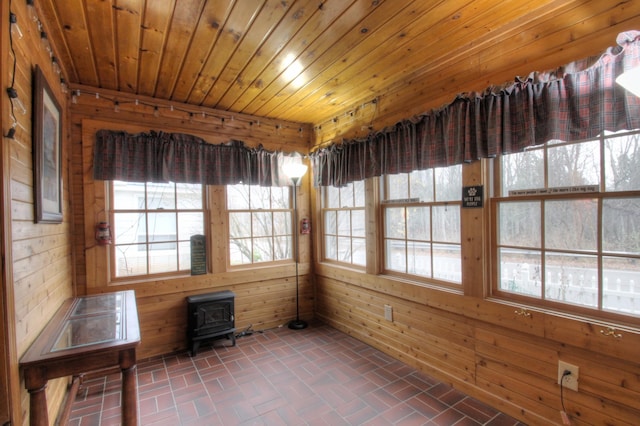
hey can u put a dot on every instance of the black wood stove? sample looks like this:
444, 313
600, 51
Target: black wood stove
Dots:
211, 316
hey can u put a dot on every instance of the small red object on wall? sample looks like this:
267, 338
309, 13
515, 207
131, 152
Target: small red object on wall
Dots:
305, 226
103, 234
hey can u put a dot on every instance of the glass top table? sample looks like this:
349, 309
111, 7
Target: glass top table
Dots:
86, 334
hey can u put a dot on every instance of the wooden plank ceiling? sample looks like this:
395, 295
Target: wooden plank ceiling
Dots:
310, 60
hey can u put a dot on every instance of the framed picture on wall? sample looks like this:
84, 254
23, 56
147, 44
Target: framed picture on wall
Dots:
47, 155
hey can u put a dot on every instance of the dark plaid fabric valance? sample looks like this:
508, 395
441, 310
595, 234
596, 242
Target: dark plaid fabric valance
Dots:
182, 158
578, 101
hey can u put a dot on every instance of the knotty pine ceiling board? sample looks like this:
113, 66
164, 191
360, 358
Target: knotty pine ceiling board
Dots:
313, 60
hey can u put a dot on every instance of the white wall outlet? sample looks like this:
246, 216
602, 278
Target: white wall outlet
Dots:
388, 312
569, 381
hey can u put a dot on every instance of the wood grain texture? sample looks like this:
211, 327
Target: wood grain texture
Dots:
265, 296
37, 257
313, 61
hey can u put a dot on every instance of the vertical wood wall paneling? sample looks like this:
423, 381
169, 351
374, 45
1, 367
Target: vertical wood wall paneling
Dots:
39, 255
265, 296
8, 353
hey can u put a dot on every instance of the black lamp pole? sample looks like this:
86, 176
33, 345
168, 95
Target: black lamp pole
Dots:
296, 324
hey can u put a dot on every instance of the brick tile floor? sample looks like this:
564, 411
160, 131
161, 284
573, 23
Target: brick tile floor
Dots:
316, 376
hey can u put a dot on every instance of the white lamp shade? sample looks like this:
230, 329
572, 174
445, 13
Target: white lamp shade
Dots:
630, 80
294, 170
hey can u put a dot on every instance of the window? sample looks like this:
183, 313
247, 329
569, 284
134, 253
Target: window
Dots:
568, 224
152, 227
344, 224
259, 224
421, 213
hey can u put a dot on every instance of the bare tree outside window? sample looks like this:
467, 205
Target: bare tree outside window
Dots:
573, 235
260, 228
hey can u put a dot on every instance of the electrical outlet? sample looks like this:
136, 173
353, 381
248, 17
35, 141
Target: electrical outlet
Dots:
570, 381
388, 312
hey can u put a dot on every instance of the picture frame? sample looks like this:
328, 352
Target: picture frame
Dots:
47, 151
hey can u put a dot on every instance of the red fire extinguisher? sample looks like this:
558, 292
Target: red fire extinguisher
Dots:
103, 234
305, 226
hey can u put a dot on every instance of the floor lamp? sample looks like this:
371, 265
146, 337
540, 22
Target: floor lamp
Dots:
295, 171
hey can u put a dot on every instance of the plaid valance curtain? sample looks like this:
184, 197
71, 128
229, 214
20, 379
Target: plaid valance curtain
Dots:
183, 158
578, 101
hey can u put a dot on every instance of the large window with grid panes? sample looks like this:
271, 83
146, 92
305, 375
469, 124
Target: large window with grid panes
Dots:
260, 228
152, 225
343, 216
567, 231
421, 225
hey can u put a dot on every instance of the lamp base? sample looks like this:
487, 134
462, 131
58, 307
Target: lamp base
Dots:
297, 324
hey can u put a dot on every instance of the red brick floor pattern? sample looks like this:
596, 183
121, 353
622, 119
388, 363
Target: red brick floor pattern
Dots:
316, 376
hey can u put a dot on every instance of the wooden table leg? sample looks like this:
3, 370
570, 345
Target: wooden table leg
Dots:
129, 388
38, 415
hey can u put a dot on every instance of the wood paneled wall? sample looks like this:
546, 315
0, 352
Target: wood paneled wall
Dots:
480, 345
38, 260
265, 296
488, 351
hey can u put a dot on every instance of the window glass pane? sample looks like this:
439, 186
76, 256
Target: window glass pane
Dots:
344, 222
330, 222
128, 195
358, 193
446, 224
566, 275
127, 227
280, 197
346, 196
449, 183
240, 251
519, 224
332, 197
447, 265
397, 186
161, 196
344, 249
240, 225
330, 247
282, 247
163, 258
359, 248
520, 271
421, 182
418, 258
162, 227
357, 223
189, 224
571, 224
419, 223
281, 223
189, 196
621, 225
262, 224
574, 165
262, 249
184, 260
395, 255
622, 163
131, 260
394, 222
238, 197
621, 289
259, 197
524, 170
